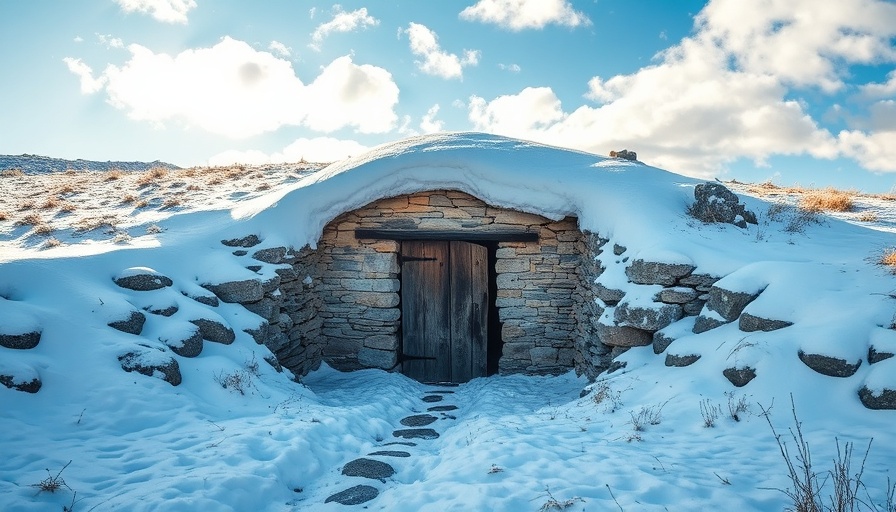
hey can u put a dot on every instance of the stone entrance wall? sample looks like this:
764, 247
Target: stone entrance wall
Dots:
538, 285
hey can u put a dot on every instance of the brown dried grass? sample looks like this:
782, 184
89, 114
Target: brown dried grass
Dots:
4, 215
32, 219
828, 200
152, 176
12, 173
42, 229
888, 259
114, 174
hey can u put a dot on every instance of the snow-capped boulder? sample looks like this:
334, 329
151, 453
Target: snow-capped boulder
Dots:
152, 362
214, 330
649, 317
753, 323
882, 345
879, 389
740, 377
622, 336
274, 255
141, 279
19, 376
715, 203
830, 366
133, 324
681, 361
183, 338
18, 328
654, 272
729, 304
248, 290
246, 241
609, 296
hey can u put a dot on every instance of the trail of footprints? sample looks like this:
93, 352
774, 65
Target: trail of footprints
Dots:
375, 469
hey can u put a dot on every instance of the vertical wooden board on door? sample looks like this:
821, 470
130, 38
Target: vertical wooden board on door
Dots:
413, 291
479, 320
436, 306
461, 312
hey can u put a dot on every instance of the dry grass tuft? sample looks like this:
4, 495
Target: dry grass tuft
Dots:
130, 198
52, 242
42, 229
51, 202
828, 200
68, 207
868, 217
888, 259
66, 189
263, 186
26, 205
12, 173
171, 202
31, 219
114, 174
4, 215
152, 176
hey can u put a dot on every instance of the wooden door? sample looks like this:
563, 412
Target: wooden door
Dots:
444, 310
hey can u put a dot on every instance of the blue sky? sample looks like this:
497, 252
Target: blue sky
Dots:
797, 91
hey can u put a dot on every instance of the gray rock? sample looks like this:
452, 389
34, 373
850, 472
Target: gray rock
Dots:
354, 495
416, 433
661, 342
391, 453
875, 357
432, 398
22, 341
621, 336
166, 311
274, 255
368, 468
442, 408
699, 282
610, 296
681, 360
752, 323
619, 249
418, 420
647, 318
678, 295
187, 345
373, 358
885, 400
705, 323
616, 366
212, 330
259, 334
694, 307
249, 290
727, 303
715, 203
146, 363
208, 300
651, 272
31, 386
266, 308
144, 281
740, 377
830, 366
246, 241
133, 324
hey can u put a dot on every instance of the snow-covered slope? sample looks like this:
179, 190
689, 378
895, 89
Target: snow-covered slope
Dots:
265, 442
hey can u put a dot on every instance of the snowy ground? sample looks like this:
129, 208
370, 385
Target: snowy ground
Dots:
514, 443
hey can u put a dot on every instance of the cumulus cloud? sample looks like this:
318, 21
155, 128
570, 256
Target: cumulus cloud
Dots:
429, 123
317, 149
513, 68
342, 22
110, 42
280, 49
234, 90
424, 43
519, 15
167, 11
724, 93
89, 84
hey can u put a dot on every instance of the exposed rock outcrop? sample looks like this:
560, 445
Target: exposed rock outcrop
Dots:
715, 203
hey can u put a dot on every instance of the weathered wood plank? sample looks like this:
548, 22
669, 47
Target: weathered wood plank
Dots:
412, 315
461, 311
436, 304
479, 318
472, 234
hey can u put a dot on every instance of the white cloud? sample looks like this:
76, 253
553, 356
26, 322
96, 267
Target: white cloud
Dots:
78, 39
234, 90
513, 68
168, 11
342, 22
524, 14
89, 84
318, 149
726, 92
429, 123
110, 42
797, 41
424, 43
280, 49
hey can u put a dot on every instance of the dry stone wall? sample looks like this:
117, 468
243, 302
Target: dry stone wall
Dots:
536, 282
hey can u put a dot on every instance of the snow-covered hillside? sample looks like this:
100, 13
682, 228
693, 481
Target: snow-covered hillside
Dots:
37, 164
237, 434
